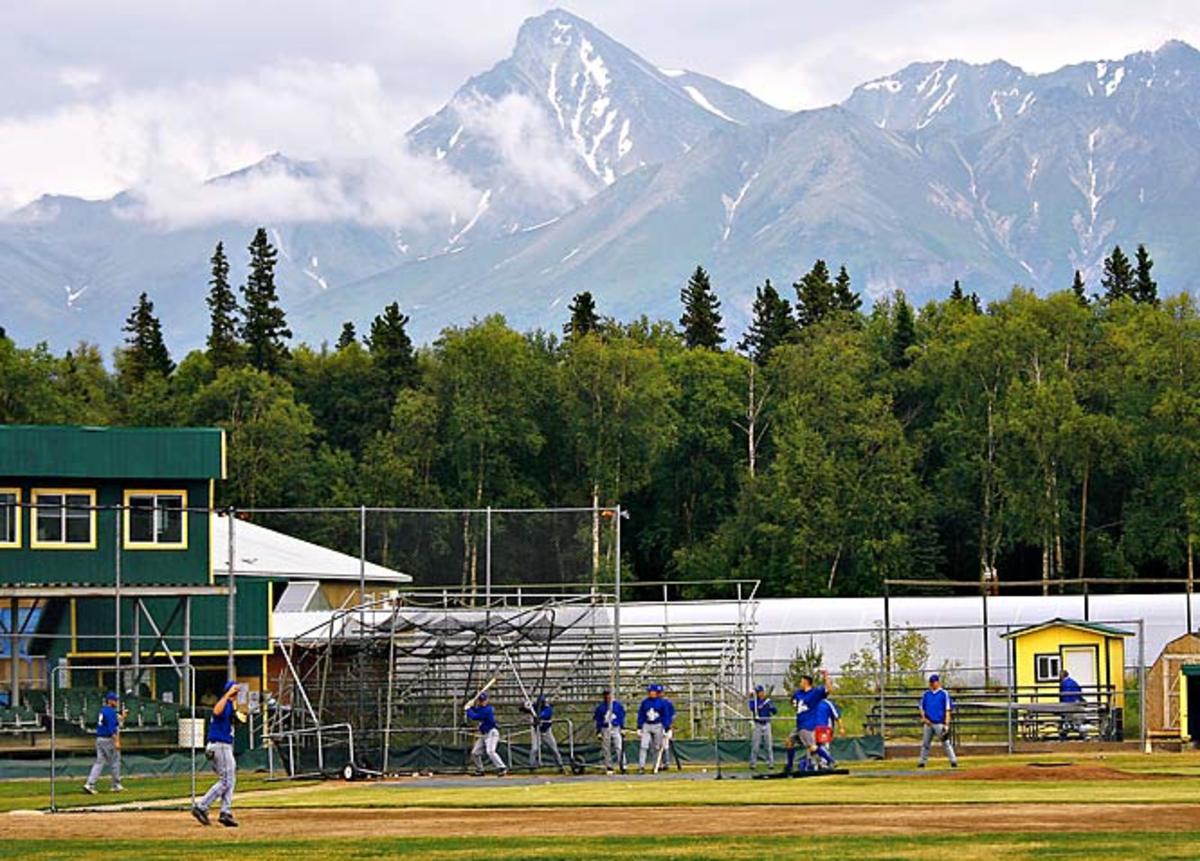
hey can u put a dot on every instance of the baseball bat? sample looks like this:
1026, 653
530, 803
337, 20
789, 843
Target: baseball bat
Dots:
662, 748
491, 682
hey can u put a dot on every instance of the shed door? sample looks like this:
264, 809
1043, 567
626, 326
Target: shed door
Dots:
1081, 664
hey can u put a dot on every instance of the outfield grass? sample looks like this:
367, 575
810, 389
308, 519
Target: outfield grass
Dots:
977, 847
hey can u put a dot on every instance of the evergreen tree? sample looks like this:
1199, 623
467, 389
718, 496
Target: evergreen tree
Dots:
1145, 288
348, 336
956, 293
701, 320
814, 295
1079, 289
392, 350
584, 318
844, 297
224, 348
264, 326
904, 332
146, 352
1118, 280
772, 325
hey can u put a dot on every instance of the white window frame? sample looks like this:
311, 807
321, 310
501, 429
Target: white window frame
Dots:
15, 544
1038, 675
64, 492
155, 543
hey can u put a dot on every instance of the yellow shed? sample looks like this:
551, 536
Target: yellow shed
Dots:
1093, 655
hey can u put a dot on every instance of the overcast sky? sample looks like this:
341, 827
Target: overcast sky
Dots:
98, 97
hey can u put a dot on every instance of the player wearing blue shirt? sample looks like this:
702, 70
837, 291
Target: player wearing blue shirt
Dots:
489, 735
828, 717
654, 718
542, 733
936, 711
610, 721
108, 745
220, 746
761, 712
806, 700
1070, 693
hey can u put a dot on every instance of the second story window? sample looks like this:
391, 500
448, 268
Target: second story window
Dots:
64, 519
10, 517
156, 519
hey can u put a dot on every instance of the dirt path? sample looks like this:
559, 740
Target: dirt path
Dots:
610, 821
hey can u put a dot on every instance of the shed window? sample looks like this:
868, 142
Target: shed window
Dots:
1047, 667
155, 518
65, 518
10, 518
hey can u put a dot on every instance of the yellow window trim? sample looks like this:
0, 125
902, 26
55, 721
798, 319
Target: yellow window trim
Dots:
62, 545
14, 545
154, 545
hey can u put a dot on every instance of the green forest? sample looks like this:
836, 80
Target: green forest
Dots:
1031, 438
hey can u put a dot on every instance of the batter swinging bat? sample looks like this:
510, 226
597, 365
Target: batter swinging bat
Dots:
491, 682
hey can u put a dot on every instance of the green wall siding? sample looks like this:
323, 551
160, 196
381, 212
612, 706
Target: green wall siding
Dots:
97, 452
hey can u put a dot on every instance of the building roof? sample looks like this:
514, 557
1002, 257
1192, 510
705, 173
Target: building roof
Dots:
61, 451
262, 552
1077, 624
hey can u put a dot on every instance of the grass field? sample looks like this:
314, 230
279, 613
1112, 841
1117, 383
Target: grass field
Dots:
1099, 808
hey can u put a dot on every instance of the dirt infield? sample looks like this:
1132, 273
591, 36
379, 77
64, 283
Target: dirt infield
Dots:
840, 820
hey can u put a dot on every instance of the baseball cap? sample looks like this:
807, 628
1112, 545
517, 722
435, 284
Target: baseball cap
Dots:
229, 685
111, 695
483, 695
935, 678
758, 689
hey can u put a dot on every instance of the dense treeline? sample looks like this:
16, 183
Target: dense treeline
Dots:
1037, 438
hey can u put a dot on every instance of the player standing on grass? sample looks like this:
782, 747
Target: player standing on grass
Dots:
489, 735
828, 718
220, 743
654, 724
610, 723
542, 734
108, 745
805, 700
936, 711
761, 712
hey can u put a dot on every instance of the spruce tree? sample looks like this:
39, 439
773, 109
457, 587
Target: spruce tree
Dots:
904, 332
844, 297
392, 351
1145, 288
956, 293
264, 325
1118, 277
347, 337
701, 320
814, 295
1079, 289
224, 349
584, 318
146, 352
772, 324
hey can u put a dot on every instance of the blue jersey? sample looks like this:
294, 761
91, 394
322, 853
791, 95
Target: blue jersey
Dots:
609, 715
544, 717
935, 705
806, 706
486, 715
1069, 691
762, 710
108, 724
827, 713
220, 728
656, 710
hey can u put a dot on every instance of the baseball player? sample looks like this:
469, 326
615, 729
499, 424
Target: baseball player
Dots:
489, 735
936, 710
610, 722
805, 701
543, 734
654, 724
220, 744
1069, 692
828, 719
108, 745
761, 712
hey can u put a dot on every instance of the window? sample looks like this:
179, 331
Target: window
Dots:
155, 519
64, 519
10, 517
1047, 667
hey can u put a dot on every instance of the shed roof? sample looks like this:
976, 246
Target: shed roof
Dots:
69, 451
1077, 624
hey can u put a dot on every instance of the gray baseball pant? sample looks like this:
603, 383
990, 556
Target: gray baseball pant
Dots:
540, 739
487, 742
653, 735
760, 736
610, 746
108, 755
942, 732
226, 768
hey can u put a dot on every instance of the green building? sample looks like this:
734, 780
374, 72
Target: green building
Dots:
106, 552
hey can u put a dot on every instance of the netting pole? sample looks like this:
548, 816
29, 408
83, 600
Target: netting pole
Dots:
1141, 685
14, 642
487, 560
362, 567
391, 684
117, 686
987, 663
616, 642
230, 610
